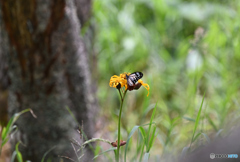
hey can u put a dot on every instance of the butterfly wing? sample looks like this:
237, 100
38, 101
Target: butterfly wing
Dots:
133, 78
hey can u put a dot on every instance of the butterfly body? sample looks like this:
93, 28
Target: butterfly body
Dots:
133, 78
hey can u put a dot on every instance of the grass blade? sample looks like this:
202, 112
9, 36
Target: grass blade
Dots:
196, 136
212, 123
129, 136
197, 120
111, 149
141, 153
151, 120
19, 155
152, 139
143, 133
6, 129
218, 133
189, 119
45, 154
206, 136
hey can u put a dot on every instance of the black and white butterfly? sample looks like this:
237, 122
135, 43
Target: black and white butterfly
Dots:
133, 78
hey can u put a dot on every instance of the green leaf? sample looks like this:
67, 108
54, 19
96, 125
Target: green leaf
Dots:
152, 139
4, 142
196, 136
111, 149
9, 128
70, 112
3, 134
45, 154
143, 133
6, 139
206, 136
129, 136
17, 115
147, 124
211, 123
149, 108
141, 153
151, 120
19, 155
189, 119
197, 120
6, 130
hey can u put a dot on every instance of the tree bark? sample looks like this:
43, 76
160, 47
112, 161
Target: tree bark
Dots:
4, 82
48, 70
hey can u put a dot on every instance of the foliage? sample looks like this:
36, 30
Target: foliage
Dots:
183, 48
11, 129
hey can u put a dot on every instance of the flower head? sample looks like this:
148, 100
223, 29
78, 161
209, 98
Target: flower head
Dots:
116, 80
121, 81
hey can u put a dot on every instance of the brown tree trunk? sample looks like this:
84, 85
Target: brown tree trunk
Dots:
3, 78
48, 70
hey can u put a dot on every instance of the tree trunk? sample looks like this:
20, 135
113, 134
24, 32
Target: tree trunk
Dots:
48, 70
3, 77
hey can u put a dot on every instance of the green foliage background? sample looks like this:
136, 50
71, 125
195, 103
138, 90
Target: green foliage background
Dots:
183, 48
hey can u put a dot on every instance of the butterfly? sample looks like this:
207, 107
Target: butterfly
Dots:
133, 78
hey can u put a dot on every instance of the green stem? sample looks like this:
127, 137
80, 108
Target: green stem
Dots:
119, 124
120, 94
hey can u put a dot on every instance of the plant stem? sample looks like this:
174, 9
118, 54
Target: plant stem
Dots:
119, 124
120, 95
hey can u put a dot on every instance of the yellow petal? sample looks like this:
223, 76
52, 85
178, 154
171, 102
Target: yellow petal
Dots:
145, 85
115, 80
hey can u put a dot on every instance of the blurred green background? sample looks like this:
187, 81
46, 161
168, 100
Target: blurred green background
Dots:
183, 48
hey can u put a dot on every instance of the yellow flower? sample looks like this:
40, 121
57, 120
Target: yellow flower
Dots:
116, 80
122, 80
145, 85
